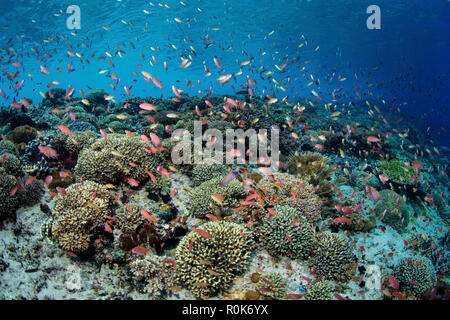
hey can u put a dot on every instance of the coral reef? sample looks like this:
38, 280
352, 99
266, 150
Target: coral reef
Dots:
208, 265
288, 233
398, 171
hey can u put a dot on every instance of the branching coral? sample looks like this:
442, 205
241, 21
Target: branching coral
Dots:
332, 257
272, 285
79, 213
288, 190
202, 203
288, 233
392, 210
129, 221
416, 274
116, 158
206, 265
157, 272
205, 172
320, 290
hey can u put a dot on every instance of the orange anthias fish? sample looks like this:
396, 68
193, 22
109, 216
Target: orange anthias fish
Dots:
202, 232
139, 250
148, 216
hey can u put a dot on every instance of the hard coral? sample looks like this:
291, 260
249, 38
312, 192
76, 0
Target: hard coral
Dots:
416, 274
207, 266
108, 160
320, 290
394, 209
398, 171
205, 172
332, 257
79, 213
201, 202
157, 273
272, 286
284, 188
23, 134
288, 233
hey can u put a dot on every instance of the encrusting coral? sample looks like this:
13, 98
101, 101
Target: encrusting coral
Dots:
79, 213
209, 258
288, 233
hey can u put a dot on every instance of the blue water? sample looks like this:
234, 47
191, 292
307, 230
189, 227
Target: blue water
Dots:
406, 63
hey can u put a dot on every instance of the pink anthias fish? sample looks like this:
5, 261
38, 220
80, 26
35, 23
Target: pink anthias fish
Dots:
48, 152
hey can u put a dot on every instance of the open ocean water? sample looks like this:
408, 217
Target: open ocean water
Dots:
248, 150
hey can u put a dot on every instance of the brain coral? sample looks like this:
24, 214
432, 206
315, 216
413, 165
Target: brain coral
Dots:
394, 209
109, 160
305, 200
79, 213
288, 233
416, 274
201, 202
332, 257
208, 266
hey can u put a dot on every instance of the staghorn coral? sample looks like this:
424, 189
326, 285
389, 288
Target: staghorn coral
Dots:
332, 257
209, 266
416, 274
109, 160
157, 273
288, 233
201, 202
305, 201
394, 209
79, 213
272, 286
320, 290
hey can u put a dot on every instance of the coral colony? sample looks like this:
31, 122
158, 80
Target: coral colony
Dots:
174, 189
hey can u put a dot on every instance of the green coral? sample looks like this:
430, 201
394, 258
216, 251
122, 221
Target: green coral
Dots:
108, 161
394, 209
209, 266
288, 233
416, 274
162, 186
320, 290
398, 171
79, 213
333, 258
272, 286
202, 203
